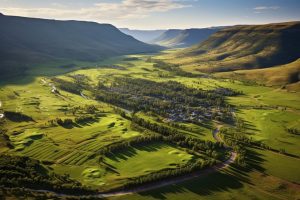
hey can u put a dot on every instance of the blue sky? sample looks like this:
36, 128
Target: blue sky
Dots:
158, 14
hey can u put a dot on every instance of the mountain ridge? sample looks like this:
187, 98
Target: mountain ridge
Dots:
27, 41
142, 35
179, 38
244, 47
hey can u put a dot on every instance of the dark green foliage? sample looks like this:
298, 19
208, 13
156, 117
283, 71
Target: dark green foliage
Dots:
91, 109
67, 123
131, 59
173, 136
68, 86
173, 68
4, 138
167, 135
17, 117
84, 119
28, 173
293, 131
80, 79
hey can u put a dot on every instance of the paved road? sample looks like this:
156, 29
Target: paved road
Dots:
167, 182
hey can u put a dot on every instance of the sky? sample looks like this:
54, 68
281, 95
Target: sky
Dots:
158, 14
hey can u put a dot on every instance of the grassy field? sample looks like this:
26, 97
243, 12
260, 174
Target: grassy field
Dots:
282, 76
74, 149
230, 185
115, 169
271, 127
267, 176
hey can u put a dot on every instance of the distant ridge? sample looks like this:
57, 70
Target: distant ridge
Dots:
143, 35
167, 35
245, 47
267, 54
176, 38
27, 41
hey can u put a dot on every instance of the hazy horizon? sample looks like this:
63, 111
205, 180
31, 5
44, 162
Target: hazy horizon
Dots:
158, 14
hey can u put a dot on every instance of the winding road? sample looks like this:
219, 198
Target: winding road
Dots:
159, 184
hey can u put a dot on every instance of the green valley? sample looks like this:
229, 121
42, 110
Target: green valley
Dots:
89, 112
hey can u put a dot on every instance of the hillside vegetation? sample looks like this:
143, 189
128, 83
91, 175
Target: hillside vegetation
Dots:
28, 41
243, 47
175, 38
283, 75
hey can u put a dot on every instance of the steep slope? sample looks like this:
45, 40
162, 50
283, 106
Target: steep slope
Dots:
26, 41
166, 36
143, 35
184, 38
243, 47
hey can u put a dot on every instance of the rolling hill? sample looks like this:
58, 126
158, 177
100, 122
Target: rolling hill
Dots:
143, 35
243, 47
175, 38
287, 76
28, 41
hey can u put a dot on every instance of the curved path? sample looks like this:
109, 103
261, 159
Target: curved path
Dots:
159, 184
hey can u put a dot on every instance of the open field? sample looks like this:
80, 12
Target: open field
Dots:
90, 125
116, 168
271, 127
257, 186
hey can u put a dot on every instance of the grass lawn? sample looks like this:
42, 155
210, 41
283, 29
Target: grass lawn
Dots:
128, 163
223, 185
270, 126
141, 160
268, 176
281, 166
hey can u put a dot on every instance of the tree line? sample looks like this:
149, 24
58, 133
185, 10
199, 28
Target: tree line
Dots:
181, 170
24, 172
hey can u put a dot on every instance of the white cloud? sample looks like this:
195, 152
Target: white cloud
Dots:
126, 9
261, 9
267, 8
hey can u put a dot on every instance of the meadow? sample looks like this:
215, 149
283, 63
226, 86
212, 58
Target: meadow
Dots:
66, 131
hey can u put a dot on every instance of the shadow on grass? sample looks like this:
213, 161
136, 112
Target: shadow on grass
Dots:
80, 124
233, 177
211, 183
48, 69
124, 154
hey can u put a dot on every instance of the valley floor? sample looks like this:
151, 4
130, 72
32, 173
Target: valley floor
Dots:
116, 126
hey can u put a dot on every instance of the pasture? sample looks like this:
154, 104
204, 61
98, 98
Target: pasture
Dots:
73, 149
